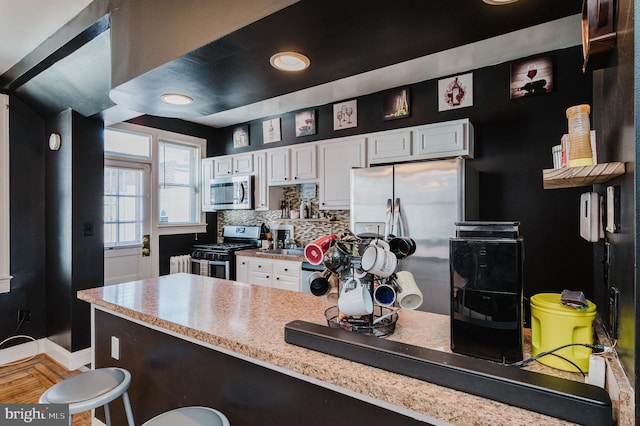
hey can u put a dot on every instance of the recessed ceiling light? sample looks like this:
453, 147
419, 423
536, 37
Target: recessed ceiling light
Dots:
499, 2
289, 61
176, 99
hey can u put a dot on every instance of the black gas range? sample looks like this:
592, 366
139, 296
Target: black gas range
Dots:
218, 260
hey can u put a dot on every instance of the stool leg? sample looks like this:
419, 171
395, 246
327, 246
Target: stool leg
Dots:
107, 414
70, 420
127, 409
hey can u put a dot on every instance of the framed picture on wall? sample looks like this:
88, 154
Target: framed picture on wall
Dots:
531, 77
455, 92
241, 136
345, 115
306, 123
396, 104
271, 130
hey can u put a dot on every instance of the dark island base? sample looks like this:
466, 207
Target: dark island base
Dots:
168, 372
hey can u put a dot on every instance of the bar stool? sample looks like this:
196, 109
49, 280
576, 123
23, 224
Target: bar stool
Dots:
92, 389
189, 416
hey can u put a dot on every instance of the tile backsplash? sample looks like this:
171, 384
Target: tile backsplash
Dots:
304, 230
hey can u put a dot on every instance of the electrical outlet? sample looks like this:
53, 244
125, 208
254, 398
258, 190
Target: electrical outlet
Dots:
24, 316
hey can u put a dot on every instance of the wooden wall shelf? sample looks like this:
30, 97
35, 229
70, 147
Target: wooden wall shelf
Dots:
571, 177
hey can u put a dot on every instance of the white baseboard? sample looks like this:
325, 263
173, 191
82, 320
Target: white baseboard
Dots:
21, 351
70, 360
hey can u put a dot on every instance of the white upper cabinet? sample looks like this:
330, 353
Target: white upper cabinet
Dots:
288, 166
431, 141
336, 159
391, 146
229, 165
265, 198
442, 140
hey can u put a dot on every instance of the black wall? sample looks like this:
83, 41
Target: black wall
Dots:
513, 140
27, 224
74, 211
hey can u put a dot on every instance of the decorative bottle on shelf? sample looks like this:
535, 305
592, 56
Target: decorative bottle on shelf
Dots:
579, 136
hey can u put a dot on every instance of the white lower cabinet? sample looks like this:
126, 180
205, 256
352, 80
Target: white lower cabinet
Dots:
283, 274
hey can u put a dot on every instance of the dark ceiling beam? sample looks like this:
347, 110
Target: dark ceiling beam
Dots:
84, 27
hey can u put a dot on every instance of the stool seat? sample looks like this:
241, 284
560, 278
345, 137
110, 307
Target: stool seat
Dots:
189, 416
91, 389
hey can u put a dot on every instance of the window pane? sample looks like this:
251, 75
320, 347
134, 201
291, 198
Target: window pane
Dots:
110, 209
110, 234
175, 205
123, 210
126, 143
127, 233
178, 179
128, 209
110, 181
130, 182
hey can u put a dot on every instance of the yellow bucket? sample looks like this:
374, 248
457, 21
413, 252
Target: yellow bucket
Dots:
554, 324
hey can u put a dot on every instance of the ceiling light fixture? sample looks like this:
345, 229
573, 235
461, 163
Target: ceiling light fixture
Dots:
499, 2
289, 61
176, 99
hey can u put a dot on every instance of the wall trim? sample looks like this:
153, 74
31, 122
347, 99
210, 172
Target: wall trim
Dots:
5, 257
70, 360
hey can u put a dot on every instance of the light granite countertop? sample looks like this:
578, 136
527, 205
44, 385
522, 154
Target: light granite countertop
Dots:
249, 320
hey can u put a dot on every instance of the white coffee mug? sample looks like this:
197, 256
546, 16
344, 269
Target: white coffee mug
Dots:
355, 299
409, 295
379, 260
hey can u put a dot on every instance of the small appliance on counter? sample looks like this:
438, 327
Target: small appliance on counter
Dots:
486, 290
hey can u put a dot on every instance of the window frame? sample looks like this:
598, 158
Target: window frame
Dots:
156, 135
5, 247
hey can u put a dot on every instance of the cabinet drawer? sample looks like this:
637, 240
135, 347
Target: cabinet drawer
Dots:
265, 266
290, 269
261, 278
287, 283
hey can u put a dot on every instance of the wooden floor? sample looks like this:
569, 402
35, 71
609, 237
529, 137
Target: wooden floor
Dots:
25, 382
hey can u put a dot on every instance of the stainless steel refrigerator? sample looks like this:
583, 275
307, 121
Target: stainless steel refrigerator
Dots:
422, 201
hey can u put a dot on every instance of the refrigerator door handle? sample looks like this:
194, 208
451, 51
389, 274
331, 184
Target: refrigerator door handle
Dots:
388, 225
398, 226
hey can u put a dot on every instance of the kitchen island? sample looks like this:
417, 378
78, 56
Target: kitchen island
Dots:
190, 339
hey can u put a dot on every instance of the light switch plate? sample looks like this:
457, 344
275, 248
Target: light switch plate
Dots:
590, 222
613, 209
115, 347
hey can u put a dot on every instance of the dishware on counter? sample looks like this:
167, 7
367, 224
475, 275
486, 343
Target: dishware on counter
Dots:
318, 284
314, 251
409, 295
336, 260
355, 298
294, 214
402, 246
384, 295
378, 260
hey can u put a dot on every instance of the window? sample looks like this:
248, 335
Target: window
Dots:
178, 199
127, 144
123, 206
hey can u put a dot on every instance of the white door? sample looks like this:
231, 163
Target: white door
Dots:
126, 222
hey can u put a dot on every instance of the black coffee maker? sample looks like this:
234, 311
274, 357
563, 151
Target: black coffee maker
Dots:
486, 290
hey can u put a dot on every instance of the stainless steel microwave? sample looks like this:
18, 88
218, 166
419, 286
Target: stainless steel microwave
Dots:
228, 193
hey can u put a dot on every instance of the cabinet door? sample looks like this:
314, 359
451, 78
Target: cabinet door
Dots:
303, 162
242, 269
223, 166
442, 140
243, 164
336, 161
208, 173
278, 166
266, 198
389, 147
